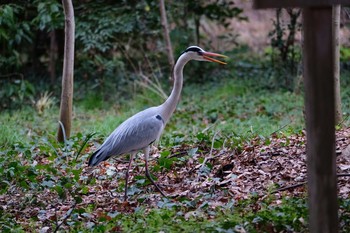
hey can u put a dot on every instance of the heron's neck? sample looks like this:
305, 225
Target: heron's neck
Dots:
169, 105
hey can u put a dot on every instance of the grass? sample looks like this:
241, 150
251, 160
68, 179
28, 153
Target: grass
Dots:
238, 102
229, 106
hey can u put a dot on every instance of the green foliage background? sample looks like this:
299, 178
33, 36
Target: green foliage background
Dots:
115, 41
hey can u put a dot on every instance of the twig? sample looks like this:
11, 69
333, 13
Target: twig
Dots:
209, 127
111, 193
151, 86
289, 187
56, 218
210, 154
211, 149
178, 154
344, 119
302, 183
284, 126
156, 86
66, 217
346, 10
129, 60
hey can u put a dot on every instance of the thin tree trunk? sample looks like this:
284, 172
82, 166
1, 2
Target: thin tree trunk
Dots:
53, 57
165, 26
336, 57
67, 76
197, 25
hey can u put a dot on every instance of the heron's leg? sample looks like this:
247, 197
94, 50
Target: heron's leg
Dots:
146, 152
127, 176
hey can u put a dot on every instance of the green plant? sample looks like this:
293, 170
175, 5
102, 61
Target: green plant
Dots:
45, 102
13, 32
344, 215
15, 93
58, 174
111, 40
50, 15
285, 54
344, 58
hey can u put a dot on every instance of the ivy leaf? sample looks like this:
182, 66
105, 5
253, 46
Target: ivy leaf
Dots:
48, 183
192, 152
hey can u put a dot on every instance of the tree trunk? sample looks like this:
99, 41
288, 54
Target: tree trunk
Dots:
319, 102
53, 57
197, 24
336, 58
165, 26
67, 76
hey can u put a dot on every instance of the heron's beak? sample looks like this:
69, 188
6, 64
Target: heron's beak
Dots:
208, 56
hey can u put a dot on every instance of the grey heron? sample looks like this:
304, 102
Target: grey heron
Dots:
142, 129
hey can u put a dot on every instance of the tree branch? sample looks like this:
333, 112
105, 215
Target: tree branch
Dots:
302, 183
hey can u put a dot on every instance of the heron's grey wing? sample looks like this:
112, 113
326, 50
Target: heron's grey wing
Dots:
133, 134
137, 134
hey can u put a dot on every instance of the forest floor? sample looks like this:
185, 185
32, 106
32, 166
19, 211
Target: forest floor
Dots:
232, 159
203, 175
260, 167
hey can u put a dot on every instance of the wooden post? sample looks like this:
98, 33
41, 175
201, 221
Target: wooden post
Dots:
320, 119
320, 108
336, 63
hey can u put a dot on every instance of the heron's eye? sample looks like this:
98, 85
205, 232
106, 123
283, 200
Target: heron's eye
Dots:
200, 53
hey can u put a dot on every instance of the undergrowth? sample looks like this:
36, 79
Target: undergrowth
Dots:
42, 174
46, 173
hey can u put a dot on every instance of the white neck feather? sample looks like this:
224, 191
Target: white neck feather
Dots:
169, 106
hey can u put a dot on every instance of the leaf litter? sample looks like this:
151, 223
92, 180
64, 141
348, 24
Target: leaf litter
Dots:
197, 176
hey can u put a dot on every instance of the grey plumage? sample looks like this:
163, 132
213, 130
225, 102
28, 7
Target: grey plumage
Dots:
134, 134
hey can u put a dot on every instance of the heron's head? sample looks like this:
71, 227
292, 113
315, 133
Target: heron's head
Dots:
197, 53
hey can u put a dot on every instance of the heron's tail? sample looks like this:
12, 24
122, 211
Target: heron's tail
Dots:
92, 159
97, 157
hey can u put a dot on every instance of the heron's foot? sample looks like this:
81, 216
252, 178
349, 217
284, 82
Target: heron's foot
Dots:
161, 192
155, 184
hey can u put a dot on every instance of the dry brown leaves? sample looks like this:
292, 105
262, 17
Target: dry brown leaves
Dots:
258, 169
